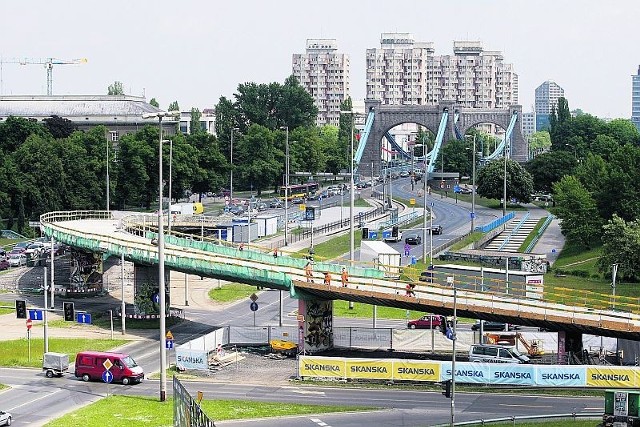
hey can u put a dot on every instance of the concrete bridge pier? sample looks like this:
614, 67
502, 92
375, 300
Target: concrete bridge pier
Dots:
569, 345
315, 324
146, 288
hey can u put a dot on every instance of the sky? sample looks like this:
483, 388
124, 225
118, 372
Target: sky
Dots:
195, 51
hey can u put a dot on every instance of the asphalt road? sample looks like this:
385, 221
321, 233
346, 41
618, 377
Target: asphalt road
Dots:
34, 399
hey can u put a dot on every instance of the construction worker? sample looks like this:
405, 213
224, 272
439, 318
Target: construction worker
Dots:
345, 277
327, 278
308, 271
409, 288
275, 252
241, 247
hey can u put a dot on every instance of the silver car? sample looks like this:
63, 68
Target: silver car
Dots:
5, 418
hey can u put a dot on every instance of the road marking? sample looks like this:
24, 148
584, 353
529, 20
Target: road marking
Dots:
526, 406
34, 400
319, 422
320, 393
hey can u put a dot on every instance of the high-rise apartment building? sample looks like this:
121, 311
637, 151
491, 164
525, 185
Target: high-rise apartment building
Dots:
324, 73
547, 95
635, 99
402, 71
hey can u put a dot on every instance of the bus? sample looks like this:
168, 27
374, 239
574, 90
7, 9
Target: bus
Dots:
299, 190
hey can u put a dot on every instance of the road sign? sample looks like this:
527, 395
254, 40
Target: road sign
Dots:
253, 306
431, 204
302, 207
29, 324
107, 376
107, 364
386, 234
156, 298
373, 235
412, 202
473, 215
169, 335
300, 318
169, 344
253, 297
35, 314
83, 318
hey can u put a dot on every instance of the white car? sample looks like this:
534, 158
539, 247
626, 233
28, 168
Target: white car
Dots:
17, 260
5, 418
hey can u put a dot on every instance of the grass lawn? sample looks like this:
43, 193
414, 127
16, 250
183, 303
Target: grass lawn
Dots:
127, 411
4, 310
531, 235
231, 292
16, 352
333, 248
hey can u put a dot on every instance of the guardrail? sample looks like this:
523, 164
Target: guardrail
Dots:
482, 422
495, 223
544, 226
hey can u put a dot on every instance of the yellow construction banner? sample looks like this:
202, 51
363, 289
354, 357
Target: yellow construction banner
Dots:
322, 367
613, 377
416, 371
370, 368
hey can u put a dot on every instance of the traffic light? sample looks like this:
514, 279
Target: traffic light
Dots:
394, 231
69, 311
21, 309
447, 389
365, 233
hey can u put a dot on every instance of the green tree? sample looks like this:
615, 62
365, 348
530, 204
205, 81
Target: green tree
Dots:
211, 170
548, 168
115, 88
15, 131
59, 127
491, 180
457, 157
577, 210
621, 245
539, 142
623, 131
195, 121
261, 161
154, 102
174, 106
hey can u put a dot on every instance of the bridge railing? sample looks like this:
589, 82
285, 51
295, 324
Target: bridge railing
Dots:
259, 268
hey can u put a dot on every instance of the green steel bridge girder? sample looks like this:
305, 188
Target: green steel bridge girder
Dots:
230, 272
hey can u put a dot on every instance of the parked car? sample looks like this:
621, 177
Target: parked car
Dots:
429, 321
34, 250
297, 200
5, 418
413, 239
493, 326
487, 353
276, 204
436, 229
17, 260
21, 246
404, 174
4, 263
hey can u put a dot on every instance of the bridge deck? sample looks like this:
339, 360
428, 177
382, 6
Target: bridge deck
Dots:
257, 267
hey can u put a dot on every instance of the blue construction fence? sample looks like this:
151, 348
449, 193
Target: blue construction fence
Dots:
495, 223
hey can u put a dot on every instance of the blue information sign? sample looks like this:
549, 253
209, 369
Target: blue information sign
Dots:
83, 318
253, 306
373, 235
473, 215
35, 314
107, 376
386, 234
156, 298
169, 344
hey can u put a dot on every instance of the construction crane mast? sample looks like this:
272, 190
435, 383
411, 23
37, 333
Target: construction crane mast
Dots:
48, 65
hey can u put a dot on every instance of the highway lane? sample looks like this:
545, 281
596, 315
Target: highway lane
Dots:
46, 399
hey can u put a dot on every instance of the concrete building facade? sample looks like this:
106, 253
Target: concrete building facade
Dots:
324, 73
405, 72
546, 99
635, 99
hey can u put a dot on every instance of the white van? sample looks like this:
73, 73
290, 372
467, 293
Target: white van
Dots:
487, 353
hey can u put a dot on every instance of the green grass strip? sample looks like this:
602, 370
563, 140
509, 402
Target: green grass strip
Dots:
16, 352
125, 411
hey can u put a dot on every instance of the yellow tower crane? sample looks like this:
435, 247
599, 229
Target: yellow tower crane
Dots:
48, 65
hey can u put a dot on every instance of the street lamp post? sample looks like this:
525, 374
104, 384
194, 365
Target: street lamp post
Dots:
504, 187
425, 178
286, 184
473, 185
233, 131
161, 279
170, 141
108, 191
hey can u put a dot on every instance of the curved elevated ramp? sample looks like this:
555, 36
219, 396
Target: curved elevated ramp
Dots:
132, 236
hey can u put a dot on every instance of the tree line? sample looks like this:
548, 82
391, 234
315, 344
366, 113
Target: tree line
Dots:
51, 165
